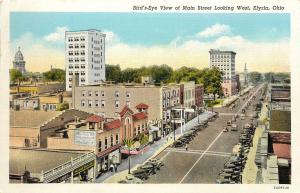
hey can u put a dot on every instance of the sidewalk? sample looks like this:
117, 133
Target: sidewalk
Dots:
154, 150
232, 98
251, 169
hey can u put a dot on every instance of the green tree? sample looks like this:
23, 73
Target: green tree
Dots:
131, 75
212, 81
255, 77
55, 75
113, 73
160, 74
63, 106
143, 139
186, 74
16, 76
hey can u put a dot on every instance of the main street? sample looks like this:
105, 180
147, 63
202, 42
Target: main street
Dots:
209, 150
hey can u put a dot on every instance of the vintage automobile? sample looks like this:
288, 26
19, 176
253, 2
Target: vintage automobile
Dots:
229, 122
234, 127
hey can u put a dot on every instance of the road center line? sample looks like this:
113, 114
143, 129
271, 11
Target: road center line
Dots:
201, 157
216, 138
200, 153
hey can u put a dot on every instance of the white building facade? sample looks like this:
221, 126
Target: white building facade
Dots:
85, 56
225, 61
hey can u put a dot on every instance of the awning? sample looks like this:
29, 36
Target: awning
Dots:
154, 128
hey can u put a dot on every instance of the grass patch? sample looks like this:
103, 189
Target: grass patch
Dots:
211, 103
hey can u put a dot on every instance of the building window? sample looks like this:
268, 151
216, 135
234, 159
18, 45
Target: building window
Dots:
96, 93
100, 146
134, 131
117, 94
105, 143
102, 103
117, 104
139, 129
82, 103
102, 93
76, 46
82, 46
127, 94
83, 93
76, 53
117, 138
90, 93
97, 103
90, 103
111, 140
82, 38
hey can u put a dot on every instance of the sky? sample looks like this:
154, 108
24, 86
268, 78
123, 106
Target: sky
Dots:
142, 39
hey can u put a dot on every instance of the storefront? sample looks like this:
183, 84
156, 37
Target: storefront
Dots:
108, 157
154, 133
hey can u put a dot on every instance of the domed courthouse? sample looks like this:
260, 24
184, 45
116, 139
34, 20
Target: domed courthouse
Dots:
19, 62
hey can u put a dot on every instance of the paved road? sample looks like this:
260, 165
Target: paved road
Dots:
207, 153
141, 158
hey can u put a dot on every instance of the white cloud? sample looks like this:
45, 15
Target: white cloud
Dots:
188, 51
214, 30
58, 35
111, 38
260, 56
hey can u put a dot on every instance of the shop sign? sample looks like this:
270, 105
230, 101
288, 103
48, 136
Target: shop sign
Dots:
87, 138
83, 168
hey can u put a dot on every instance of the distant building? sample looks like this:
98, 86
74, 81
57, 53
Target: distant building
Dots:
199, 92
47, 102
19, 62
238, 83
225, 62
108, 99
39, 88
85, 56
30, 128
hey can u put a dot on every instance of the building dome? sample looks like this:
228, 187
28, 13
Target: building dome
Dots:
19, 55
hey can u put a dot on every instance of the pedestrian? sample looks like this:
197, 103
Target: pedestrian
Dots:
186, 147
111, 167
116, 168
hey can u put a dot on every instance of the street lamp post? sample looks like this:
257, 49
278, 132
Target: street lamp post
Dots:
129, 161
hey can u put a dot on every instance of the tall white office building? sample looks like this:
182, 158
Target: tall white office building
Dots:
85, 56
225, 61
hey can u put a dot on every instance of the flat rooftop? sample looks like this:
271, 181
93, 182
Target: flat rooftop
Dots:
38, 160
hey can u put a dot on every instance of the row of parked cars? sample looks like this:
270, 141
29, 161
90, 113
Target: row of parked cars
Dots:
190, 135
143, 172
233, 168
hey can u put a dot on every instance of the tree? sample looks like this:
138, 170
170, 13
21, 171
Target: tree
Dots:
16, 76
212, 81
63, 106
55, 75
128, 144
186, 74
131, 75
113, 73
160, 73
255, 77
